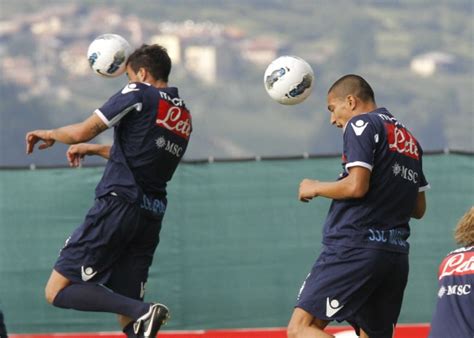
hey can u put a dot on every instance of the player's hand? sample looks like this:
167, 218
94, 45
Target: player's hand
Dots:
75, 154
307, 190
35, 136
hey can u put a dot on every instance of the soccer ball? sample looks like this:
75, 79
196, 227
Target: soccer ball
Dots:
108, 54
289, 80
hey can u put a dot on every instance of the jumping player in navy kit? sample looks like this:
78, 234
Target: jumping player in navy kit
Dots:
104, 264
454, 313
361, 273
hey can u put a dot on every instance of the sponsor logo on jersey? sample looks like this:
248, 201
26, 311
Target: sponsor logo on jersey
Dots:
332, 307
174, 118
441, 291
400, 140
405, 173
359, 127
87, 273
457, 265
172, 148
160, 142
456, 290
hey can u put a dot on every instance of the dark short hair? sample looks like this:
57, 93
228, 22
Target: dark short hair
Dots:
353, 85
153, 58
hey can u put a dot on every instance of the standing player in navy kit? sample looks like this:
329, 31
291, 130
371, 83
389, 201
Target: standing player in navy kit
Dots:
454, 313
104, 264
361, 273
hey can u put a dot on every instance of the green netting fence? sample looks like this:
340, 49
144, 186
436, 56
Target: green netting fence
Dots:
236, 243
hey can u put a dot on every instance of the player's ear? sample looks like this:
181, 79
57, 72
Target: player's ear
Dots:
142, 73
351, 102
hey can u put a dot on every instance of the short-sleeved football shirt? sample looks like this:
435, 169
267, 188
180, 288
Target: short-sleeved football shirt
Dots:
378, 142
151, 132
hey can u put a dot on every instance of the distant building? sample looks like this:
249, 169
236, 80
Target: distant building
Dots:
49, 26
18, 70
429, 63
260, 51
201, 61
172, 43
134, 25
73, 59
9, 27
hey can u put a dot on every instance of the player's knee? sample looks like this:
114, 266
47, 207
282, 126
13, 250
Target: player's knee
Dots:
51, 291
55, 284
50, 294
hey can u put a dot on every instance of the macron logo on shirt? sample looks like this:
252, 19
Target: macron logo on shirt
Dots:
131, 87
87, 273
332, 307
359, 127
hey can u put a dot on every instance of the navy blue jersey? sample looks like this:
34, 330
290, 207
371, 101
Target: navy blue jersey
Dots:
378, 142
151, 132
454, 313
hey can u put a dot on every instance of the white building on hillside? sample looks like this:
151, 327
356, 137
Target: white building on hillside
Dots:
429, 63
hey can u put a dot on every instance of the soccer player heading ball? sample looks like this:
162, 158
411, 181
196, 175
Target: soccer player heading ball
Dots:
113, 248
362, 271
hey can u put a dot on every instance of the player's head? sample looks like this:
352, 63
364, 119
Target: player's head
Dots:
153, 59
349, 96
464, 233
353, 85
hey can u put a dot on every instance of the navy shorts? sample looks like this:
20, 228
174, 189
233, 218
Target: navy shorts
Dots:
362, 286
114, 246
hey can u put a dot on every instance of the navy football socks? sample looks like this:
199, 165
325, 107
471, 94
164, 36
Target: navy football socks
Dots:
85, 297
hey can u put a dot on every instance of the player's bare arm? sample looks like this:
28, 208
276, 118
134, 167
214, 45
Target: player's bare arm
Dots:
76, 153
71, 134
355, 185
420, 206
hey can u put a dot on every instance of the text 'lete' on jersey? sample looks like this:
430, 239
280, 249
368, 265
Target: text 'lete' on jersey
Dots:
152, 128
379, 143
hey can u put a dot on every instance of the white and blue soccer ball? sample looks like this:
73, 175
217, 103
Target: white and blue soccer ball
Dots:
289, 80
108, 54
